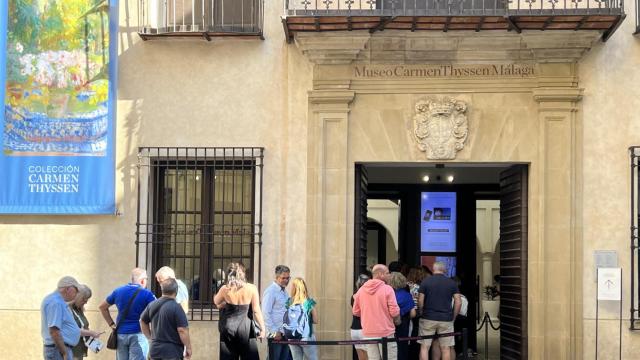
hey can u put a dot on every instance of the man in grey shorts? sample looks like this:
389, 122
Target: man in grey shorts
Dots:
434, 303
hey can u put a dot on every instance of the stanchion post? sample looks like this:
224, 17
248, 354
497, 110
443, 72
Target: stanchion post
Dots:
465, 344
486, 335
385, 355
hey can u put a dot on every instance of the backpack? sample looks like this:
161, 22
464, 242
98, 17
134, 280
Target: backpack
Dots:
295, 322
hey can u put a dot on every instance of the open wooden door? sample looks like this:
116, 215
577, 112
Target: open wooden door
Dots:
513, 262
360, 228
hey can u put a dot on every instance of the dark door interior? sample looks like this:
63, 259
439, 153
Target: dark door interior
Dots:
509, 185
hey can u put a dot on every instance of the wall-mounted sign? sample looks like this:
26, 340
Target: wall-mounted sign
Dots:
443, 71
610, 284
57, 128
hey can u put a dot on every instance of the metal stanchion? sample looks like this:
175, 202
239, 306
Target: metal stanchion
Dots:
465, 344
486, 337
385, 355
383, 342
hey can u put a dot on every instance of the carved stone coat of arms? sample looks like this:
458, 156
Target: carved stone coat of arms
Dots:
440, 127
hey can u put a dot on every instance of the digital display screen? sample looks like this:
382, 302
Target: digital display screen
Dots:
449, 262
438, 222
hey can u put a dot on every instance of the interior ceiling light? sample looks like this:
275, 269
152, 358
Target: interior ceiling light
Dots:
425, 178
450, 178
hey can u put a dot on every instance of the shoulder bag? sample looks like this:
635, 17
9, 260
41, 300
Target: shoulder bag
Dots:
112, 342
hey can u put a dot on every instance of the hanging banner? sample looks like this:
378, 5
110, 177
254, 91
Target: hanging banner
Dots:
57, 130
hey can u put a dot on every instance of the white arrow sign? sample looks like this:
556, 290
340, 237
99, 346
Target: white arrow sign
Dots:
609, 284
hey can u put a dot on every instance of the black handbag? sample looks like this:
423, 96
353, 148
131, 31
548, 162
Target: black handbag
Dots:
112, 342
255, 327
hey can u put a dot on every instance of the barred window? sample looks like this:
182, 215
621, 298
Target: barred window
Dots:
198, 210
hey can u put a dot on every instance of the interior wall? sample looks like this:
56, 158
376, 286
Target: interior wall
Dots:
387, 213
487, 234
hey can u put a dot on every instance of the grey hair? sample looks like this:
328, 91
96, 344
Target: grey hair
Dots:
169, 287
137, 275
439, 266
397, 280
84, 291
362, 278
280, 269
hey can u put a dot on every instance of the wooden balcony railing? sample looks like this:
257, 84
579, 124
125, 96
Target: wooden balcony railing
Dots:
200, 18
445, 15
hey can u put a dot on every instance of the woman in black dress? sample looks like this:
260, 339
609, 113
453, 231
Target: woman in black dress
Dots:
239, 304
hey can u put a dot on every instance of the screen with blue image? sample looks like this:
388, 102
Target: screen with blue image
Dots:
449, 262
438, 222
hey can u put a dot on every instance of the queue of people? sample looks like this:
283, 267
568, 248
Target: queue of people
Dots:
141, 319
385, 305
391, 305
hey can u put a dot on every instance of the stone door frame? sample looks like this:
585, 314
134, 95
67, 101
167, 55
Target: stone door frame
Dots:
555, 299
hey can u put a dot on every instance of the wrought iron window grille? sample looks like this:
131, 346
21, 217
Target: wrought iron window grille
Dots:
198, 210
200, 18
634, 152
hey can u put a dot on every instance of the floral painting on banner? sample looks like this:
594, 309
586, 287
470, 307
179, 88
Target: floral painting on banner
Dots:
57, 128
57, 78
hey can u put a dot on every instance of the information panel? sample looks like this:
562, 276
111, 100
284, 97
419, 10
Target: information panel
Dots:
438, 222
58, 70
610, 284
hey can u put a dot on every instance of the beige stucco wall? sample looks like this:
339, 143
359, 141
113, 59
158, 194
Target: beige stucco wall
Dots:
227, 92
232, 92
609, 74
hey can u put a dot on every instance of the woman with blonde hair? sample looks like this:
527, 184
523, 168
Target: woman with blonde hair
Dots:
301, 303
239, 305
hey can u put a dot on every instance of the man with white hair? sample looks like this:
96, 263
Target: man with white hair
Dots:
131, 300
182, 297
434, 303
58, 328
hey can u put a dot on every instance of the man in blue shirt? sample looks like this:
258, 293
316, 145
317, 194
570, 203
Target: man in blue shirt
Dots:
274, 299
132, 344
59, 330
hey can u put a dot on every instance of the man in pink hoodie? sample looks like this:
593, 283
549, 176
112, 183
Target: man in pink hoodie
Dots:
375, 304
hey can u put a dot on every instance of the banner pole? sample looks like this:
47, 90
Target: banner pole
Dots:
620, 343
597, 304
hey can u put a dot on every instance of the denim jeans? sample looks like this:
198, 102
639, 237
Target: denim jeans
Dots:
132, 347
305, 352
279, 352
52, 353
